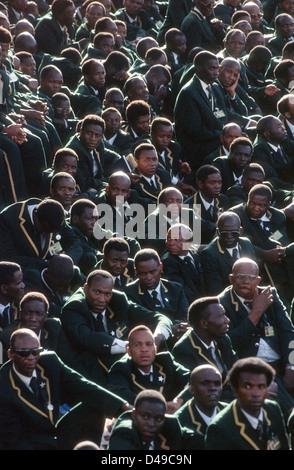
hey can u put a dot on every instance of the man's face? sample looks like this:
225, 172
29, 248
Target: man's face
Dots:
94, 12
230, 135
115, 262
149, 273
133, 7
138, 90
99, 293
25, 365
14, 290
205, 6
62, 109
229, 74
257, 206
251, 179
176, 244
147, 163
33, 315
107, 45
276, 131
64, 192
229, 232
141, 125
118, 187
251, 392
173, 199
114, 99
285, 28
212, 186
161, 137
245, 279
67, 18
112, 122
208, 71
149, 419
235, 44
240, 157
91, 136
142, 349
217, 323
96, 77
52, 83
206, 387
28, 67
86, 221
69, 164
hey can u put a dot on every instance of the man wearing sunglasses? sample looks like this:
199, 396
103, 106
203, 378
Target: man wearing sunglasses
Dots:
219, 255
32, 387
260, 325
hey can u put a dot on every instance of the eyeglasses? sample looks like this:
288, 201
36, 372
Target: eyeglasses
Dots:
233, 233
245, 277
66, 110
256, 15
28, 352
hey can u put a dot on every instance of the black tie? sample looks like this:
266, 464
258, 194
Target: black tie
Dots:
99, 321
117, 283
189, 262
210, 96
282, 157
145, 445
153, 184
216, 357
5, 320
156, 301
34, 386
235, 254
248, 304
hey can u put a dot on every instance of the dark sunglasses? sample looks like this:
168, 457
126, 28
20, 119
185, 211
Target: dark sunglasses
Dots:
27, 352
234, 233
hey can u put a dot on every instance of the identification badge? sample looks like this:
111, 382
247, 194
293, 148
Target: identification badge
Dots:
219, 114
273, 443
269, 331
277, 235
121, 331
55, 248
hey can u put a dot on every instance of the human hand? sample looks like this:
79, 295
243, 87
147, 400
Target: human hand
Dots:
260, 303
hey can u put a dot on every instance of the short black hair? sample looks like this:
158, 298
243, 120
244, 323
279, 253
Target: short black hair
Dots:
253, 365
7, 270
117, 244
204, 171
98, 273
198, 309
146, 254
34, 296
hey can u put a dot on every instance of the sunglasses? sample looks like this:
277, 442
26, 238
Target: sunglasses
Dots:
258, 15
233, 233
28, 352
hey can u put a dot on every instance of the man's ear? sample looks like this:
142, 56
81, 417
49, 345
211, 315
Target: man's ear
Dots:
258, 280
9, 353
231, 277
106, 188
128, 350
241, 231
85, 287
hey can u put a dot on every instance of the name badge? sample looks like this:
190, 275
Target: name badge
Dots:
219, 113
55, 248
273, 443
269, 331
121, 331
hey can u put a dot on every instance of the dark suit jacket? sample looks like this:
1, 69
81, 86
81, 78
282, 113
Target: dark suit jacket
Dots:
173, 296
190, 418
22, 244
198, 32
123, 143
190, 352
245, 336
169, 377
86, 101
230, 429
175, 269
122, 315
128, 275
217, 263
125, 436
144, 189
258, 236
49, 36
144, 27
105, 157
279, 173
197, 129
25, 424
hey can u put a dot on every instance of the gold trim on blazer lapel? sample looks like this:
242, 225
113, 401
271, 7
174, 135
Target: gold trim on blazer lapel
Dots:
234, 302
147, 192
198, 348
42, 372
163, 442
22, 222
242, 427
10, 177
19, 394
193, 419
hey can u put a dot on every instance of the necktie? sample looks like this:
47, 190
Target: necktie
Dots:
209, 95
34, 386
117, 282
235, 254
282, 157
152, 183
248, 304
156, 301
145, 445
99, 322
216, 358
5, 320
189, 262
